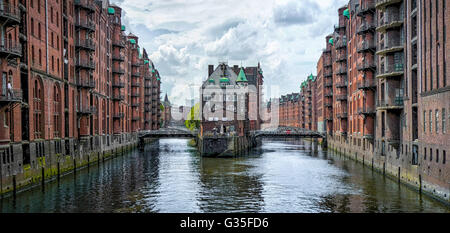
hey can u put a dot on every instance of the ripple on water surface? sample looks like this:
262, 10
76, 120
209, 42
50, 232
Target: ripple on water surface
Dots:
281, 176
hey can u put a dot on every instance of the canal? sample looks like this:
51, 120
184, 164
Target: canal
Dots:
281, 176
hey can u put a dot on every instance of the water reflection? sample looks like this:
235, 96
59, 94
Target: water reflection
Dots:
281, 176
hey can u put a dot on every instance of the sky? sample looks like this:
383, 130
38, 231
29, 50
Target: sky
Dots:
183, 37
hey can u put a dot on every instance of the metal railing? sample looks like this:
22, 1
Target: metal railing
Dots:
10, 12
87, 110
365, 84
13, 95
86, 43
85, 23
87, 83
87, 4
11, 48
84, 63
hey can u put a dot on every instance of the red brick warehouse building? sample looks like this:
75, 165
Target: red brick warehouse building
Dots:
390, 89
75, 87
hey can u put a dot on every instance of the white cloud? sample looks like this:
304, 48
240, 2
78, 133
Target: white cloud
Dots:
183, 37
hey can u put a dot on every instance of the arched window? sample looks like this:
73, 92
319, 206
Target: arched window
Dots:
38, 108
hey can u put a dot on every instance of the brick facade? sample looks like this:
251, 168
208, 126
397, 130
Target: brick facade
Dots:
75, 85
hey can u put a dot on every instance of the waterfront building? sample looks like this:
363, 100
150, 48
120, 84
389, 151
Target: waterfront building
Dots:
166, 112
225, 99
72, 88
390, 89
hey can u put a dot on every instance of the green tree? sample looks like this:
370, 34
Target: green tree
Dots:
192, 122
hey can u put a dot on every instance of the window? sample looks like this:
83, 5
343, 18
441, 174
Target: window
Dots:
425, 121
444, 129
431, 121
444, 157
425, 154
32, 26
437, 120
431, 155
437, 156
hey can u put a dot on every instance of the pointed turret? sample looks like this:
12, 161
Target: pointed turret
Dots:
241, 77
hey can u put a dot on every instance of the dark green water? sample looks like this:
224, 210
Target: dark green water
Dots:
170, 177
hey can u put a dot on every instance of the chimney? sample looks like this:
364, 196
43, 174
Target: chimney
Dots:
236, 69
210, 70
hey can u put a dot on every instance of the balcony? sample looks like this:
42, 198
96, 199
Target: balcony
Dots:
366, 65
395, 104
329, 95
136, 74
367, 84
328, 105
342, 115
118, 58
327, 50
87, 110
7, 98
118, 71
9, 15
383, 3
341, 57
339, 27
85, 24
10, 49
341, 71
85, 44
118, 97
135, 94
328, 74
85, 83
366, 111
136, 119
136, 64
119, 44
118, 85
393, 70
341, 97
148, 77
135, 105
367, 7
85, 64
390, 21
328, 83
366, 46
85, 4
392, 48
341, 84
135, 84
366, 27
119, 115
341, 44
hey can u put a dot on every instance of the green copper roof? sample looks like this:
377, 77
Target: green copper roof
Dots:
347, 13
331, 41
123, 27
158, 79
241, 76
146, 61
153, 71
132, 41
111, 11
224, 80
311, 77
211, 80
